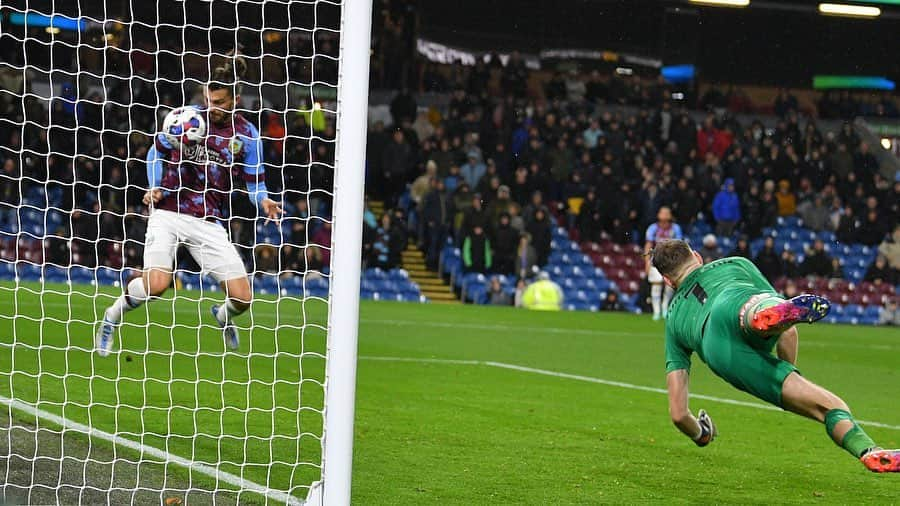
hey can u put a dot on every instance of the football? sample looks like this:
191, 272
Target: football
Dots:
184, 126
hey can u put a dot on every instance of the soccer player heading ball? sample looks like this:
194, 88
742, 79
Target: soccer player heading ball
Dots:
727, 313
191, 170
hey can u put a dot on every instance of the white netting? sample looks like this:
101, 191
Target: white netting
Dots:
173, 413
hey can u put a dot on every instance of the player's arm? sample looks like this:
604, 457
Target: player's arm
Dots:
648, 246
255, 178
154, 177
701, 430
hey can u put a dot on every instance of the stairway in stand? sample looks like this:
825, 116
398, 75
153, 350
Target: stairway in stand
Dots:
430, 282
413, 261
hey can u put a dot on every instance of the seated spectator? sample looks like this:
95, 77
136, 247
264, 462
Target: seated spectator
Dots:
769, 261
890, 314
848, 226
390, 241
612, 302
836, 271
505, 243
814, 214
741, 249
880, 272
817, 262
787, 201
873, 229
890, 248
726, 209
526, 257
789, 264
497, 296
518, 297
476, 251
790, 289
543, 295
710, 250
266, 258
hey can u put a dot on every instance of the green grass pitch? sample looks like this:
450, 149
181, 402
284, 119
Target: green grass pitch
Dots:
431, 430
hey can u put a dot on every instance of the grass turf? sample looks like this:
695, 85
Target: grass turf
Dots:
452, 433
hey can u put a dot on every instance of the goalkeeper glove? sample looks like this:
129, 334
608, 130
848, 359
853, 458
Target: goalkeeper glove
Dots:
708, 430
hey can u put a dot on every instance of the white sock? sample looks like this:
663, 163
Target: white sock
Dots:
132, 298
226, 312
667, 297
655, 296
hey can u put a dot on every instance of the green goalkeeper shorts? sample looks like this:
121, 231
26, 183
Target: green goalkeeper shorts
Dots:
741, 358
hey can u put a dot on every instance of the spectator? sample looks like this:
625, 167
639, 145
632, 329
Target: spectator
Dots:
473, 170
790, 289
880, 272
710, 250
789, 263
890, 314
500, 204
836, 271
422, 184
592, 133
817, 262
505, 243
397, 160
390, 241
526, 257
785, 103
519, 295
769, 261
890, 248
848, 227
787, 201
814, 214
475, 216
476, 251
873, 230
541, 234
742, 249
612, 302
711, 139
436, 214
864, 162
726, 209
497, 296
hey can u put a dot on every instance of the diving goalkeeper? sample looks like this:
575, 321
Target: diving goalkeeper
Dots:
189, 198
728, 314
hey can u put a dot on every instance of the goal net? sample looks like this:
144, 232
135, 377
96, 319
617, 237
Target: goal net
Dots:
175, 412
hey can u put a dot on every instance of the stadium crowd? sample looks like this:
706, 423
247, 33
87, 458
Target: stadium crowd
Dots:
500, 166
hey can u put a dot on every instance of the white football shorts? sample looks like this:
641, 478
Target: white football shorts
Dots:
207, 242
654, 276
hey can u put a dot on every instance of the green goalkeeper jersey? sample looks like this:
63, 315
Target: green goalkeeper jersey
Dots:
717, 289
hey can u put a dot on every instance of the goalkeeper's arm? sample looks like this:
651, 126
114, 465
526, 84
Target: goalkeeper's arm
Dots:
700, 429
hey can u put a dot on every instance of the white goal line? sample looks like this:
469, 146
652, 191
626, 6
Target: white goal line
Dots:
590, 379
242, 483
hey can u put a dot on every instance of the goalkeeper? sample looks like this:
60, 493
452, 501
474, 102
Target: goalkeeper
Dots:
729, 315
189, 194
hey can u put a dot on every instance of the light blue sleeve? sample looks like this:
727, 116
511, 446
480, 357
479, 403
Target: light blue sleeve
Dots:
650, 236
676, 231
254, 173
154, 167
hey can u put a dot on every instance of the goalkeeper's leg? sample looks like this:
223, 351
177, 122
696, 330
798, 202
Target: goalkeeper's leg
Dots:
804, 397
769, 315
152, 283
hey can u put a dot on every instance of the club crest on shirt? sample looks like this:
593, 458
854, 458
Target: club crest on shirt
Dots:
235, 145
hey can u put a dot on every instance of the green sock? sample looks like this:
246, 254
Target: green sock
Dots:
855, 441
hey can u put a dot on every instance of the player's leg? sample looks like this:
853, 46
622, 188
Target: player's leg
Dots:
801, 396
212, 249
788, 345
160, 243
769, 315
668, 292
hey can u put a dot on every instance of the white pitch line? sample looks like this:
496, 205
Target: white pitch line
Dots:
590, 379
242, 483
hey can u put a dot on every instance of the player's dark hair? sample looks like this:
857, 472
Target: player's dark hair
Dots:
669, 256
228, 75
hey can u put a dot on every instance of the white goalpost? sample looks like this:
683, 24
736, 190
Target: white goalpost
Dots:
180, 405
